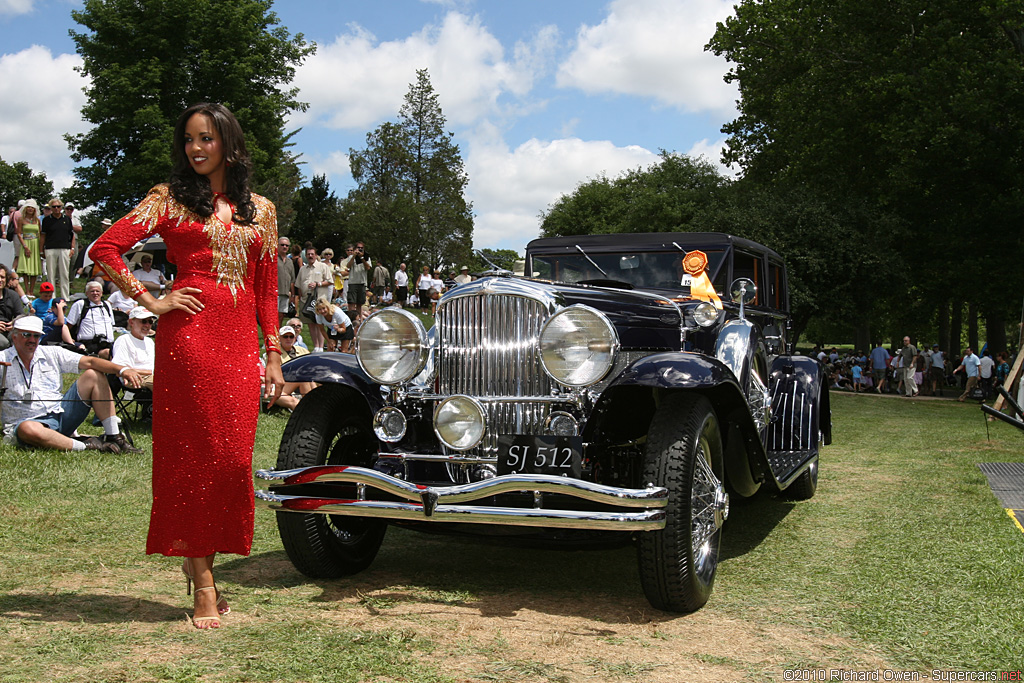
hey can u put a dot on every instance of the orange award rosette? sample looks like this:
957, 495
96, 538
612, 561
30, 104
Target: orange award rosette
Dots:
695, 264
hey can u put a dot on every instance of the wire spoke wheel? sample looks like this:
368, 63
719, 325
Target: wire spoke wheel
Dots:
684, 454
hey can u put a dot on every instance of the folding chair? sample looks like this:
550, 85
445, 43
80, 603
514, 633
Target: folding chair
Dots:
131, 405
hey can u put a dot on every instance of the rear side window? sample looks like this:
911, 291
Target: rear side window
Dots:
776, 286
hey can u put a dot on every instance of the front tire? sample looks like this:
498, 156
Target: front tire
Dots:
330, 426
684, 454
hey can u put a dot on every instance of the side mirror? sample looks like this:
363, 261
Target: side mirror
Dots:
742, 291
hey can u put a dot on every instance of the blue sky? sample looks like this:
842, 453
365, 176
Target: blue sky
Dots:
541, 95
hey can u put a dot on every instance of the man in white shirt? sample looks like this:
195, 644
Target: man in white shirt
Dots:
135, 349
401, 286
314, 278
463, 277
985, 367
95, 320
37, 414
153, 280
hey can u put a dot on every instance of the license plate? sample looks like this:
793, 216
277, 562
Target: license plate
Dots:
558, 455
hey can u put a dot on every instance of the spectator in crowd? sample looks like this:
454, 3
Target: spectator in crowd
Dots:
337, 326
11, 305
1002, 369
387, 298
153, 280
937, 371
380, 279
463, 277
908, 362
136, 349
93, 319
327, 256
880, 363
122, 306
39, 414
358, 266
14, 216
969, 365
76, 226
920, 366
857, 376
285, 398
423, 285
414, 299
986, 368
286, 301
401, 286
56, 241
437, 288
27, 229
41, 304
833, 355
55, 329
313, 281
296, 325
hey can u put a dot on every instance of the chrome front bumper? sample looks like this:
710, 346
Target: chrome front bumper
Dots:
445, 503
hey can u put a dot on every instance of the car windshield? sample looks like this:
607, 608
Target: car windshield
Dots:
642, 270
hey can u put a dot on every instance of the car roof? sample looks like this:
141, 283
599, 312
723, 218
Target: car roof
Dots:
643, 241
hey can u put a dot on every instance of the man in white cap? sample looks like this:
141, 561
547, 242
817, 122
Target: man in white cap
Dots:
37, 414
463, 277
289, 350
135, 349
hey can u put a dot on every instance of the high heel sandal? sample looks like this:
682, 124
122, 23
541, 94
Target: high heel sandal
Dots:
222, 603
214, 622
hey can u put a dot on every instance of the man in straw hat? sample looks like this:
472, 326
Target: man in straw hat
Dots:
37, 414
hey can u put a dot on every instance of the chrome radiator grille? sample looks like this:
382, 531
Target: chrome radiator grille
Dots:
488, 348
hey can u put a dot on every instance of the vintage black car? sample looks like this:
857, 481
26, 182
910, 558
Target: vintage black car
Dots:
620, 392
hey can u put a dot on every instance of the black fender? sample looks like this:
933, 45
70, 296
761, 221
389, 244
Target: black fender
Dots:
335, 368
801, 415
746, 463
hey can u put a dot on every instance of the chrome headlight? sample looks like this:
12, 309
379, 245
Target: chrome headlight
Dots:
391, 346
459, 422
578, 346
705, 313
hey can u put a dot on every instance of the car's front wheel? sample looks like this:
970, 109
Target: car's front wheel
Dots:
684, 454
330, 426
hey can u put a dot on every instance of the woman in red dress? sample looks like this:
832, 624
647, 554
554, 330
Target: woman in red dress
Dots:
223, 239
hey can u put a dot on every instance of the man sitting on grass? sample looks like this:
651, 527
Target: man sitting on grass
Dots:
37, 414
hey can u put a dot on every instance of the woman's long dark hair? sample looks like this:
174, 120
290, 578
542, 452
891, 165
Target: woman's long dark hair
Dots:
192, 189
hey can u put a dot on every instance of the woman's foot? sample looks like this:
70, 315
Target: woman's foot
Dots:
222, 603
204, 613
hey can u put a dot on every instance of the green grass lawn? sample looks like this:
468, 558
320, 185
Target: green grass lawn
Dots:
904, 556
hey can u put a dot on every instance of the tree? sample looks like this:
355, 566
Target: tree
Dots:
673, 194
409, 203
18, 181
317, 216
909, 108
148, 61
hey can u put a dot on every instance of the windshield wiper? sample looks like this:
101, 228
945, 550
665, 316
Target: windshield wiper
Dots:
580, 249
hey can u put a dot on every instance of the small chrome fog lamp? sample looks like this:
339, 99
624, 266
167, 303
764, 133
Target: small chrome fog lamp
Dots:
561, 424
389, 424
459, 422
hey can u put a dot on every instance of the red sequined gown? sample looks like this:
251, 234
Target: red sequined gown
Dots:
207, 391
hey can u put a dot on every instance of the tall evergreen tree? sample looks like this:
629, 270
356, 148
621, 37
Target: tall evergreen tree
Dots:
150, 59
409, 204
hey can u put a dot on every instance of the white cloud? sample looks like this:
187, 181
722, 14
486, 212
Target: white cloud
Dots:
510, 188
654, 48
333, 164
33, 124
15, 7
357, 81
712, 151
